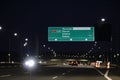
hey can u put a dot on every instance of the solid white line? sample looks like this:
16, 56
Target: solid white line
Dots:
5, 75
99, 72
107, 72
106, 75
55, 77
108, 78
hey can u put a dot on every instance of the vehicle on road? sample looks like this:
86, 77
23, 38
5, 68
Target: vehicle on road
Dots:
73, 63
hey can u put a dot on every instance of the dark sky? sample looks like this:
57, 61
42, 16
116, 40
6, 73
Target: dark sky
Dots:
32, 18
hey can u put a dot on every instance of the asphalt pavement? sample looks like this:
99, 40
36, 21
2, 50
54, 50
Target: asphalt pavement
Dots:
58, 73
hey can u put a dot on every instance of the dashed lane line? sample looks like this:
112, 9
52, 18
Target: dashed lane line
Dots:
54, 77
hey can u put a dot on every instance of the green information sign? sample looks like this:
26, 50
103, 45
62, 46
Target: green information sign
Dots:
70, 33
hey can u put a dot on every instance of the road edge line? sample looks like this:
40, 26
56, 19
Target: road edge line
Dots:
106, 75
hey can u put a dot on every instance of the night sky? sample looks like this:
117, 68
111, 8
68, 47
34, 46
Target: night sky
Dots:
31, 19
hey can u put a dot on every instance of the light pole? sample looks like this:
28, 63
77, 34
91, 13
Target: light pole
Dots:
118, 58
9, 55
26, 44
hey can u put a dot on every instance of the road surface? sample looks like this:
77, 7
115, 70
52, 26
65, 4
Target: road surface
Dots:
58, 73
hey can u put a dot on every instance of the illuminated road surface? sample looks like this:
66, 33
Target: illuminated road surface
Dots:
57, 73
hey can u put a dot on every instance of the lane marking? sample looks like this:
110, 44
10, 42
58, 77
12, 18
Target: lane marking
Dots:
63, 73
106, 75
5, 75
54, 77
99, 72
107, 72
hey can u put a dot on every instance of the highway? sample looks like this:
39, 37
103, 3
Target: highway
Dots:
58, 73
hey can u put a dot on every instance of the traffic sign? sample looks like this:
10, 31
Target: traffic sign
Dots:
71, 34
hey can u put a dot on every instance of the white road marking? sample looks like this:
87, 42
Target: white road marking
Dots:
54, 77
105, 75
99, 72
5, 75
63, 73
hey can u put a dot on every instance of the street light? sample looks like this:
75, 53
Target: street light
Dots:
103, 20
100, 56
26, 39
118, 54
0, 28
25, 44
15, 34
44, 45
27, 55
51, 49
99, 47
48, 48
9, 57
114, 56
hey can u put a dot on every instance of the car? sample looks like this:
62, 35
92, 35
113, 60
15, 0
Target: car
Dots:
74, 63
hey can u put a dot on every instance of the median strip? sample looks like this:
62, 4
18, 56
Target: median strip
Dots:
5, 75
